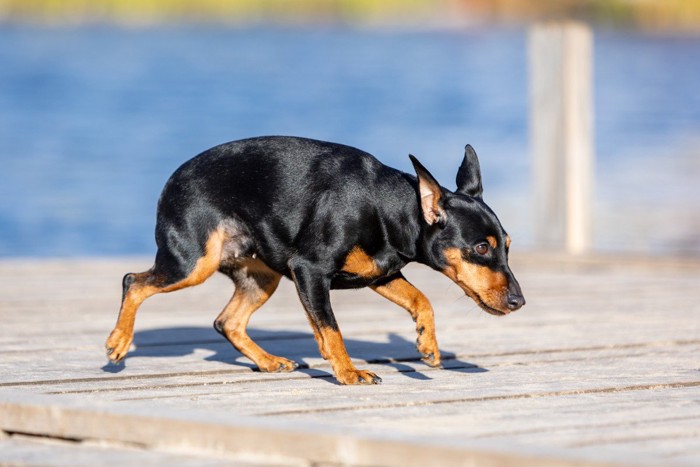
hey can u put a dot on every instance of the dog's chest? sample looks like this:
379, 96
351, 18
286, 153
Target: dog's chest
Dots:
362, 270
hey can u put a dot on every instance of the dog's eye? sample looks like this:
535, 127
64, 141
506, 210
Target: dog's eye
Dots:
482, 248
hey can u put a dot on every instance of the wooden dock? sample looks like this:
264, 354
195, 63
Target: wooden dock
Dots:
602, 367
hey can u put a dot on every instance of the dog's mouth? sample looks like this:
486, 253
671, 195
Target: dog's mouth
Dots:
490, 310
496, 289
482, 304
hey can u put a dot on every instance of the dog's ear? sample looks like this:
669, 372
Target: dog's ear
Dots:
469, 174
430, 195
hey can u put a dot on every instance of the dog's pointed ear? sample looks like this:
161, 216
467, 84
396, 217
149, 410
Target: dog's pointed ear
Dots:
430, 193
469, 174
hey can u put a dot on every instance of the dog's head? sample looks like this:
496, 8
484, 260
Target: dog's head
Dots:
464, 239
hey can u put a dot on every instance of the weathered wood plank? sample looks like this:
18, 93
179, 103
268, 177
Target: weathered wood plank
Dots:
23, 450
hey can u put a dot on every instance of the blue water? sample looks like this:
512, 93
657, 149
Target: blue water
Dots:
93, 120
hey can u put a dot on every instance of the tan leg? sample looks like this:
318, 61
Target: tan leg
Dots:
404, 294
345, 371
121, 337
138, 287
255, 283
313, 286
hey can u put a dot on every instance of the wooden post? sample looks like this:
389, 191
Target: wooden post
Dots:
562, 134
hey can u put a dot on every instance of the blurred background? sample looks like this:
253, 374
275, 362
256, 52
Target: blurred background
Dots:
101, 100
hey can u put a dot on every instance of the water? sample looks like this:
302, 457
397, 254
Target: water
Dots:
94, 120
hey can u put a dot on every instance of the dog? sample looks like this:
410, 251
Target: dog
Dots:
327, 216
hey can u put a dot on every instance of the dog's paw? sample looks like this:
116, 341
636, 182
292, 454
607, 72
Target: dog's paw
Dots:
277, 365
358, 377
427, 347
431, 359
118, 345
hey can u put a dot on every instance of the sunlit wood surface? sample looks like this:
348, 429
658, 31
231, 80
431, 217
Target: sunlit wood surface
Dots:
601, 366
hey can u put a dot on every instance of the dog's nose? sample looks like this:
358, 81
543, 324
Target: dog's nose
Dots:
515, 301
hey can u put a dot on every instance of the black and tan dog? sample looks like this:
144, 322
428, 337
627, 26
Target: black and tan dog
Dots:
326, 216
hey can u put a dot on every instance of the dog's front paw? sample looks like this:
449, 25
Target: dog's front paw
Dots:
118, 344
431, 359
427, 347
358, 377
277, 365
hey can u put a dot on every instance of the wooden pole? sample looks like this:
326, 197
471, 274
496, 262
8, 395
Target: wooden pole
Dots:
562, 134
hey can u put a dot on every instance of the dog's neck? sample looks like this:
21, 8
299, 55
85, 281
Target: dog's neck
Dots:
420, 236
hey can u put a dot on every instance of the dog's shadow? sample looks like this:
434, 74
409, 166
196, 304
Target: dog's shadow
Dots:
397, 352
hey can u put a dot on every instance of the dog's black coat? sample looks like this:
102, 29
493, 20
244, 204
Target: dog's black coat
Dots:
293, 197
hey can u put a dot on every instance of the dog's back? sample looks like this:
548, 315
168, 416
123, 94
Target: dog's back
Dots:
284, 194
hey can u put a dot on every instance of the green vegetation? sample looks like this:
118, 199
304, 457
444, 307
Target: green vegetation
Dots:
650, 14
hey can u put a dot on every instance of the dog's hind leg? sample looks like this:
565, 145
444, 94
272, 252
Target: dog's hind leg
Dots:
173, 270
398, 290
255, 283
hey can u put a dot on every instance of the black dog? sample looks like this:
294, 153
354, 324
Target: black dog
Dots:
326, 216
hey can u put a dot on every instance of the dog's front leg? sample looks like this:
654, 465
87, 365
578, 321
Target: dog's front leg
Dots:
397, 289
313, 287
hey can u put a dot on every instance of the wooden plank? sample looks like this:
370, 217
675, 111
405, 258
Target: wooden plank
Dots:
214, 434
32, 450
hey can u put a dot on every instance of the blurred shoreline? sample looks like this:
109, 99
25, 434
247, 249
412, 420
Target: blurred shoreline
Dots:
668, 17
